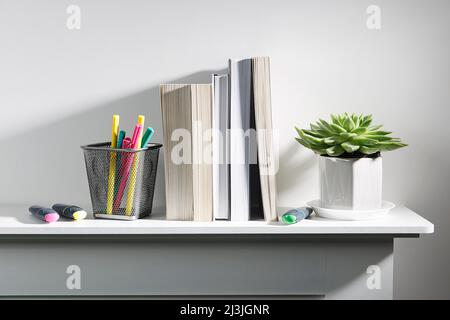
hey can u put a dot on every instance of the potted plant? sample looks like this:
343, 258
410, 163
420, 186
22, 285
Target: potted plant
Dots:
350, 163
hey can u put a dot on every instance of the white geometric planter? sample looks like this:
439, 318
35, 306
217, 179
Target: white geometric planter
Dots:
350, 184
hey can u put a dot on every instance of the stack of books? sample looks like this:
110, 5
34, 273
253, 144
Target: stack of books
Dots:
218, 146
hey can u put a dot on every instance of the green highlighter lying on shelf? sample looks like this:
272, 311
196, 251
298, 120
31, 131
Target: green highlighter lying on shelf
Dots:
295, 215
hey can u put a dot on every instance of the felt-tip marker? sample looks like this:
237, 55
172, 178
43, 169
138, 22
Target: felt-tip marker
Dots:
70, 211
44, 214
146, 137
295, 215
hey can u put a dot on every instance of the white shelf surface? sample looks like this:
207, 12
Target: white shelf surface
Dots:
16, 220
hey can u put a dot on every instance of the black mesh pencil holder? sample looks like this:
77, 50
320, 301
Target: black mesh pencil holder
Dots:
121, 181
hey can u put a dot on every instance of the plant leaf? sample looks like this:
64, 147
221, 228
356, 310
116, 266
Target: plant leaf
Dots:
335, 120
389, 145
375, 128
341, 119
355, 120
366, 121
347, 135
378, 133
317, 129
320, 151
361, 119
367, 150
313, 141
313, 133
337, 128
303, 143
324, 129
348, 147
334, 140
314, 127
335, 151
363, 141
359, 130
379, 137
326, 126
349, 125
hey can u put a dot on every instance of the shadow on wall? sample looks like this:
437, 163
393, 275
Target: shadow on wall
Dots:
290, 168
46, 165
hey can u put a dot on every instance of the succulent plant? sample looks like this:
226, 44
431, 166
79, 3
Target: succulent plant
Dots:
347, 136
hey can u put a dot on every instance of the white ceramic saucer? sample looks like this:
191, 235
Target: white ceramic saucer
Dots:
339, 214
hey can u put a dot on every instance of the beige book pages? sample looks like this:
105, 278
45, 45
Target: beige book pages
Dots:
176, 110
263, 119
202, 151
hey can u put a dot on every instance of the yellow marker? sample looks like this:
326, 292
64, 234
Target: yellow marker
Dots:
133, 172
112, 165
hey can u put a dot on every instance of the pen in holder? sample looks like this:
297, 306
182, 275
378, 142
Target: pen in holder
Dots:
129, 175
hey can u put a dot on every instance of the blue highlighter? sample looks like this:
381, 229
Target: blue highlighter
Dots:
295, 215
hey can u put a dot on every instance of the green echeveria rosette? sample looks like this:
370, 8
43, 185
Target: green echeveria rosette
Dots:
347, 136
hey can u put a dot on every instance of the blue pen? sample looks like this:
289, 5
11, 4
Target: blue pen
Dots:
295, 215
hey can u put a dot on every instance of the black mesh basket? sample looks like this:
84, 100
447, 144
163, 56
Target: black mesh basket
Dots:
121, 181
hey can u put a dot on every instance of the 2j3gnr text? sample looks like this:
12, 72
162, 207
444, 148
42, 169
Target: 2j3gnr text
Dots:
231, 310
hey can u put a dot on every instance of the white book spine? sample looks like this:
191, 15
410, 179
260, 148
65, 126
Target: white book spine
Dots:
240, 105
221, 198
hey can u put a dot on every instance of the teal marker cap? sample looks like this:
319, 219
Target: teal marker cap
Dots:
288, 218
120, 138
146, 137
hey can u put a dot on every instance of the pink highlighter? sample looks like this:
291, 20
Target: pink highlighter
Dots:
44, 214
127, 161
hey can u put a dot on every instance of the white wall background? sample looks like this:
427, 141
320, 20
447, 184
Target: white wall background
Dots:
59, 88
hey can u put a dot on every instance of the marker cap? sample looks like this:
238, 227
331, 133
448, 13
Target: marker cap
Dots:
289, 218
79, 215
51, 217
